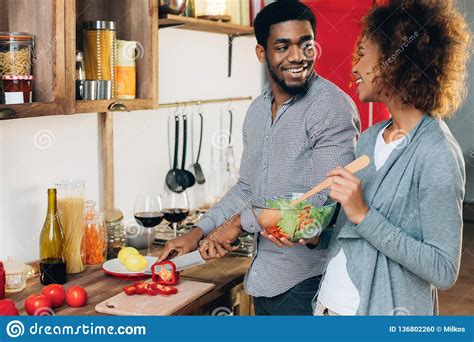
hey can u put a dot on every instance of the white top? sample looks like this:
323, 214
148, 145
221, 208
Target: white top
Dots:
338, 293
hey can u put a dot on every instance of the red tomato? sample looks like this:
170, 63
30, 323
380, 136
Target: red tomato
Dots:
8, 308
55, 293
76, 297
38, 305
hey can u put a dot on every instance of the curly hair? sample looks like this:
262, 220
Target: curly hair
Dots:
424, 48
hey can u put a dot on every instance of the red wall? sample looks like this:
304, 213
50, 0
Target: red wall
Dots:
337, 31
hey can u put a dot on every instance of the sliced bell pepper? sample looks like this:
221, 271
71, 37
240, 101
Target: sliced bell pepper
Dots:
140, 287
164, 273
166, 290
129, 290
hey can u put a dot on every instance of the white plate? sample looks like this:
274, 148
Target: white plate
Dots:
116, 268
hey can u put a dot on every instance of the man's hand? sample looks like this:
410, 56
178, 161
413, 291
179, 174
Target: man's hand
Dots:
182, 244
218, 243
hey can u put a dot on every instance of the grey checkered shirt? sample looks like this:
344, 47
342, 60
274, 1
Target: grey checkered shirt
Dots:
311, 134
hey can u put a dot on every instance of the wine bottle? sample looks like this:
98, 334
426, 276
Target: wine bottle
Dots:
52, 245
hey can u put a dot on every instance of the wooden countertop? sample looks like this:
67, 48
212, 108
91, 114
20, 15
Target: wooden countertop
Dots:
225, 273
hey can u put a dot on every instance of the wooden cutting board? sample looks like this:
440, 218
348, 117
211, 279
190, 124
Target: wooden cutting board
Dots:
144, 305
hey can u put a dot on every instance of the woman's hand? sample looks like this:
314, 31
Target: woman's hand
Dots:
285, 242
347, 190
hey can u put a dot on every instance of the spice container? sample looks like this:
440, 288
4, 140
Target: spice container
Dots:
16, 53
17, 89
125, 85
71, 215
95, 235
100, 51
80, 72
116, 235
16, 274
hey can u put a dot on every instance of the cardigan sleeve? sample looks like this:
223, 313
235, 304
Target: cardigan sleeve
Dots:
435, 258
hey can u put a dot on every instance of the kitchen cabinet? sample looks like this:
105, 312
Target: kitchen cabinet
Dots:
45, 19
136, 20
203, 25
57, 26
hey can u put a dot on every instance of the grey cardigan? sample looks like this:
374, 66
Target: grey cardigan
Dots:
409, 244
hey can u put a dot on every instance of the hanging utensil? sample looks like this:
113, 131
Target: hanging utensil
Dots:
188, 179
173, 176
197, 167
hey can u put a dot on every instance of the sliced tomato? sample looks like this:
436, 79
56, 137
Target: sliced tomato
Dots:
129, 290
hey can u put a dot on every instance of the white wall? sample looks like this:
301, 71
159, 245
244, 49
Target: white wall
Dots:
36, 152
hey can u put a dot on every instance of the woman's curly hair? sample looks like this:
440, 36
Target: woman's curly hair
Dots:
424, 47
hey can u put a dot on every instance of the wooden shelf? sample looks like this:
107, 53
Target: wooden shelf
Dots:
101, 106
203, 25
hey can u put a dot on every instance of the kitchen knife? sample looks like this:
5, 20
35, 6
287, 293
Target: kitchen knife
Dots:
185, 261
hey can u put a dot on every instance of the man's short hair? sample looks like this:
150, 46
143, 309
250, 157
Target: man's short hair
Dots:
278, 12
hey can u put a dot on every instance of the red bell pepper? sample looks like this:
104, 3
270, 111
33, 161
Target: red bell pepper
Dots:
129, 290
8, 308
164, 273
166, 290
140, 287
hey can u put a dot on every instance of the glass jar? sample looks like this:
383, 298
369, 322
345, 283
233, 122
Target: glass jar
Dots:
16, 274
100, 51
71, 215
16, 53
16, 89
95, 235
116, 235
80, 73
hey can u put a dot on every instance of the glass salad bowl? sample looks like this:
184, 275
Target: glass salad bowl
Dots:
301, 221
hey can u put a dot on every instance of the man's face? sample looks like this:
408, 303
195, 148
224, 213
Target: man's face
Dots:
290, 55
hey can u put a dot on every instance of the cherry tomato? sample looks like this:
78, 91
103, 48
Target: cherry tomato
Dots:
55, 293
76, 297
38, 305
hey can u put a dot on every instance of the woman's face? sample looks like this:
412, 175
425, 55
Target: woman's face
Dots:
364, 71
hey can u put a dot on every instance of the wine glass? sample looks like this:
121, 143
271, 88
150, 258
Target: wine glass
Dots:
148, 214
176, 208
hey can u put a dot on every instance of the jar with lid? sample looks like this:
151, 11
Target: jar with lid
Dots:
16, 89
100, 51
115, 232
16, 53
95, 235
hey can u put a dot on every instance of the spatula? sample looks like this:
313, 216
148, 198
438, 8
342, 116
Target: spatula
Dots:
270, 217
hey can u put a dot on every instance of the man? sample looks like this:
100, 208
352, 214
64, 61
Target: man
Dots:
301, 127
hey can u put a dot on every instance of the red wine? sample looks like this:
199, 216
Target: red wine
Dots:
149, 219
175, 215
52, 271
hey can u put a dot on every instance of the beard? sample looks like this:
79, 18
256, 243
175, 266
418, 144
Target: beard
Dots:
299, 89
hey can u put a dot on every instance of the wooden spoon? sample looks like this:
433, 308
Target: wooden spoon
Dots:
270, 217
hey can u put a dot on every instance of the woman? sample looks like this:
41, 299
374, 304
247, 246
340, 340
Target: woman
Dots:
400, 235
